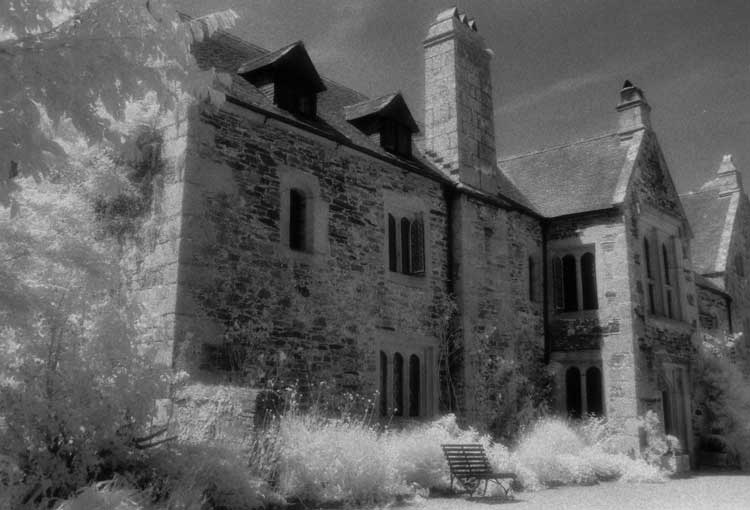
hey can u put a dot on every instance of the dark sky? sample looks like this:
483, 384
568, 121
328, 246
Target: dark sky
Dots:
558, 65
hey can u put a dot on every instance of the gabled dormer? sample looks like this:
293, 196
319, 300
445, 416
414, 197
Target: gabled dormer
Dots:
288, 78
387, 120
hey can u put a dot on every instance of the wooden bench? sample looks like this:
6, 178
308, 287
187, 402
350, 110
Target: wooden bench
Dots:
469, 465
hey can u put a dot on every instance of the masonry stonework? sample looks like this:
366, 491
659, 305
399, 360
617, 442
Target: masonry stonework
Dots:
240, 307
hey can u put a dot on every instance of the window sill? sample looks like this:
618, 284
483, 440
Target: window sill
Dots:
408, 280
306, 257
660, 320
578, 314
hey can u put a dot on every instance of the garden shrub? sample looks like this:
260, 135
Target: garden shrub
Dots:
334, 460
559, 452
725, 395
550, 450
344, 460
521, 372
104, 495
201, 477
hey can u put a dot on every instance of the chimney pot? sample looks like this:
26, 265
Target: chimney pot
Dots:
633, 108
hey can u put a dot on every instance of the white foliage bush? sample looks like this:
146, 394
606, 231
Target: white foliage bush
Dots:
333, 460
327, 460
104, 496
556, 452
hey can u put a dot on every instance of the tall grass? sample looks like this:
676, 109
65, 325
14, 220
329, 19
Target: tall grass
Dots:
325, 460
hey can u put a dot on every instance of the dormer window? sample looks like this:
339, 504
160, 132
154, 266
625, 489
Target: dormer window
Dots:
288, 78
387, 121
395, 138
295, 100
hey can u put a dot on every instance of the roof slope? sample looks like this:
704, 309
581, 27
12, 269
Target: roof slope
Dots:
227, 53
392, 105
579, 177
707, 213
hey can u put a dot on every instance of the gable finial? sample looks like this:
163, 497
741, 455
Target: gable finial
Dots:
633, 108
727, 165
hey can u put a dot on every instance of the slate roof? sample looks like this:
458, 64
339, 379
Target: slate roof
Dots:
392, 105
293, 56
575, 178
707, 213
227, 53
709, 284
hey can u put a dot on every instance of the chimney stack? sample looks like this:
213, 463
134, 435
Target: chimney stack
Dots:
634, 109
459, 116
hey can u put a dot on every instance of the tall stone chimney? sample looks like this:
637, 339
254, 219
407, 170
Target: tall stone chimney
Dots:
635, 112
459, 117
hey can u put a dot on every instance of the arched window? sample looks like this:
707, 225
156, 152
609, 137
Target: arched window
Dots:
557, 284
594, 402
405, 258
588, 282
650, 281
570, 283
414, 382
532, 280
392, 253
416, 246
297, 220
668, 292
398, 384
383, 384
573, 392
406, 250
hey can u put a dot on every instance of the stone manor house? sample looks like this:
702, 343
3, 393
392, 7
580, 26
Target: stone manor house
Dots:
313, 231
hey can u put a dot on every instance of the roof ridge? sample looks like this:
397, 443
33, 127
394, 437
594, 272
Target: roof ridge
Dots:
242, 41
697, 192
355, 91
557, 147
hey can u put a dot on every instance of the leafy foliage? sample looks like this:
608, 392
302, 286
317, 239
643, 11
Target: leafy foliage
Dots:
526, 383
725, 402
88, 68
76, 385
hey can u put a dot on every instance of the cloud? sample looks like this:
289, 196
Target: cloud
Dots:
345, 31
563, 86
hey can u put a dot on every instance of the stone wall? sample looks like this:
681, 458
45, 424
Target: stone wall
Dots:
151, 256
607, 329
251, 309
664, 345
492, 247
737, 277
713, 313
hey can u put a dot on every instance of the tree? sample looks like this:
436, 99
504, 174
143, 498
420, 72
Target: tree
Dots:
77, 385
88, 69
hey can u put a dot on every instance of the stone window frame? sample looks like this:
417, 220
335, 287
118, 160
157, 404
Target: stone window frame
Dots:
558, 256
533, 276
316, 212
399, 206
425, 349
661, 234
674, 381
583, 361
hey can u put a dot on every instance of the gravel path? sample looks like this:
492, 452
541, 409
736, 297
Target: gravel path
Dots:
701, 491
